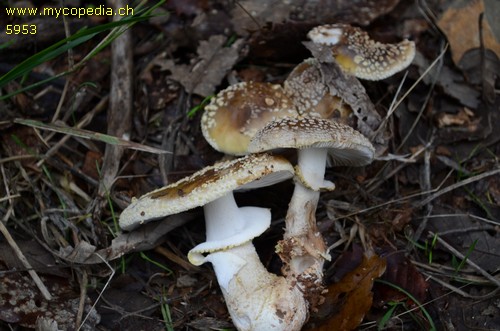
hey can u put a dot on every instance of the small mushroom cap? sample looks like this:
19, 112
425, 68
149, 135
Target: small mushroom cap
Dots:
346, 146
363, 57
235, 114
305, 85
205, 186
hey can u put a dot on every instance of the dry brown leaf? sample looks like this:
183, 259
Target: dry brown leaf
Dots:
452, 82
353, 295
462, 29
402, 273
207, 72
91, 164
464, 118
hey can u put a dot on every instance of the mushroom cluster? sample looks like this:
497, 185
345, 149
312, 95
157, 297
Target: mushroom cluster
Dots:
252, 119
256, 299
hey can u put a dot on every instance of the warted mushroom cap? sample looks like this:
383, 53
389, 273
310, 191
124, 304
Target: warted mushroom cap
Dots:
363, 57
345, 145
235, 114
205, 186
305, 85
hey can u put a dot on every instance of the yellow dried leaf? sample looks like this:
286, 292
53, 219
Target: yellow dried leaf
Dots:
461, 27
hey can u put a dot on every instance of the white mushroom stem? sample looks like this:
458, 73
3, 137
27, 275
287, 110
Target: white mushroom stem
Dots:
228, 225
301, 219
311, 164
303, 249
255, 298
217, 227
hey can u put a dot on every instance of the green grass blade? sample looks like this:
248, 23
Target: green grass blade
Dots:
409, 295
86, 134
71, 42
387, 316
59, 48
158, 264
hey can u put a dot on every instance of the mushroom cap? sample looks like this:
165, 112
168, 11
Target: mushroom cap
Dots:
363, 57
346, 146
305, 85
235, 114
205, 186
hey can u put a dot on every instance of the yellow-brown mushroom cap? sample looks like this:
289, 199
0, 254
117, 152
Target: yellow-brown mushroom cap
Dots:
205, 186
235, 114
361, 56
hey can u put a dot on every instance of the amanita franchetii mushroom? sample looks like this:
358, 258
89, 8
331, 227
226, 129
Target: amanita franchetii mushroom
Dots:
361, 56
256, 299
303, 249
235, 114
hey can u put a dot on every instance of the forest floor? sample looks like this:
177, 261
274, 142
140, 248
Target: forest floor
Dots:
91, 122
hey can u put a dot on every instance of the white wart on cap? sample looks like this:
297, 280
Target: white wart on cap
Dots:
361, 56
235, 114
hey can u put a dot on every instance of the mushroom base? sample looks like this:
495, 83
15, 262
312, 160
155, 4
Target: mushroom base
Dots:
296, 256
255, 298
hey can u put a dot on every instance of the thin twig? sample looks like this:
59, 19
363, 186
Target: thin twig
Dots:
39, 283
457, 185
120, 102
10, 197
463, 293
455, 252
71, 63
86, 119
249, 14
101, 293
83, 295
479, 218
6, 187
405, 198
392, 107
426, 187
420, 113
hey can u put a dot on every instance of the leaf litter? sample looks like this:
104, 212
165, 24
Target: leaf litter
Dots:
432, 196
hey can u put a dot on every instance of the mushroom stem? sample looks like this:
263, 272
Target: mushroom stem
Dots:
303, 249
257, 299
301, 219
228, 225
311, 168
217, 227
